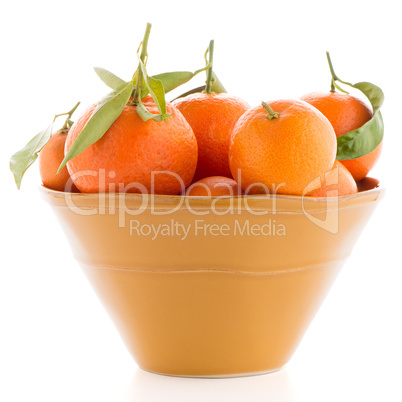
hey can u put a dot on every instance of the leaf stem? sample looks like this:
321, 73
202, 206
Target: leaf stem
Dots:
208, 82
67, 124
144, 52
271, 113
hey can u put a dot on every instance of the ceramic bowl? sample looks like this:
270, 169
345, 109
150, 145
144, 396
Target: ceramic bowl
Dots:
211, 287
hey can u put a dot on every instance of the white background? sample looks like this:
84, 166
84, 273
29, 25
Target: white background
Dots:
56, 342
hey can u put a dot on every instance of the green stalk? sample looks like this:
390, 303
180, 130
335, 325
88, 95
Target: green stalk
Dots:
68, 122
144, 52
333, 75
331, 68
208, 82
335, 78
271, 114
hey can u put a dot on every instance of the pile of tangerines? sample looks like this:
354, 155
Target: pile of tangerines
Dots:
209, 143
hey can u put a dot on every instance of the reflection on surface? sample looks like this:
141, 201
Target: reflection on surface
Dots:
148, 387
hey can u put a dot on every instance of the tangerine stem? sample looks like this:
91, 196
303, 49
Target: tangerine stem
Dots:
331, 68
208, 82
144, 49
144, 53
271, 113
68, 122
334, 77
332, 86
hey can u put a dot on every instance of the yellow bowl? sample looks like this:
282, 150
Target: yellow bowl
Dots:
211, 287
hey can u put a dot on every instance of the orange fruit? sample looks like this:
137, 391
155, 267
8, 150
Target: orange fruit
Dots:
50, 158
136, 156
360, 167
338, 181
281, 154
212, 117
346, 113
214, 186
368, 183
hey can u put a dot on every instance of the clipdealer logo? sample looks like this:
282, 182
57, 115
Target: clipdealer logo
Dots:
113, 202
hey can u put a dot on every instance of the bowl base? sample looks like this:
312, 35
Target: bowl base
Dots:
234, 375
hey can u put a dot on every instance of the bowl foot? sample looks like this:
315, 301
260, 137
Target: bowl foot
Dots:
234, 375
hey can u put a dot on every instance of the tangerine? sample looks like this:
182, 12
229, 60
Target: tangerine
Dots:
346, 113
284, 149
136, 156
214, 186
212, 117
50, 158
338, 181
368, 183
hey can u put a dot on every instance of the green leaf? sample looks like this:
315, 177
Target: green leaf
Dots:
174, 79
111, 80
373, 93
106, 112
217, 86
192, 91
25, 157
366, 138
362, 141
170, 81
147, 115
155, 88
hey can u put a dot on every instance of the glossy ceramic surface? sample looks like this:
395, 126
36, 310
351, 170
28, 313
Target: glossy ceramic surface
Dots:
211, 287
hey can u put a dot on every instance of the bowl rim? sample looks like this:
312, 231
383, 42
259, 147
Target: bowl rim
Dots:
281, 202
201, 197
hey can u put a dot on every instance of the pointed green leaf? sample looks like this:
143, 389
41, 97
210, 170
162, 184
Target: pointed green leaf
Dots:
362, 141
192, 91
25, 157
155, 88
217, 86
106, 112
366, 138
111, 80
373, 93
147, 115
157, 92
173, 79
